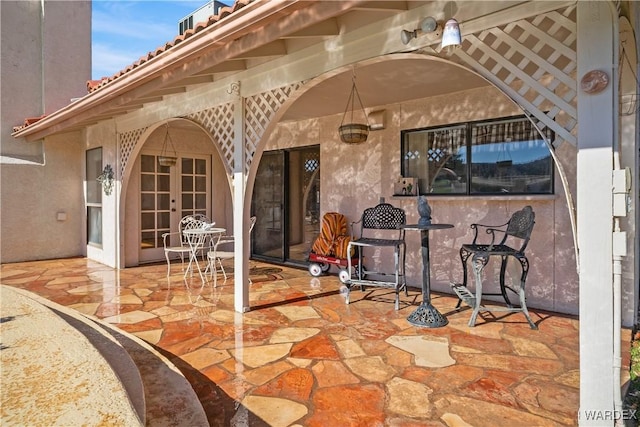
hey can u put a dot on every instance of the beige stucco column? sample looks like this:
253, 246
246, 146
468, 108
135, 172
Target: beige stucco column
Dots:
240, 231
596, 137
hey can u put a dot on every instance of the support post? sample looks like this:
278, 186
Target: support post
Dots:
596, 43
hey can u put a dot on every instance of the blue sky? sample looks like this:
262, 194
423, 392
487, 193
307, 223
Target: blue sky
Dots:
125, 30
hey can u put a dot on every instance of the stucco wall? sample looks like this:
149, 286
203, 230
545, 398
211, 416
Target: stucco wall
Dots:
354, 177
32, 198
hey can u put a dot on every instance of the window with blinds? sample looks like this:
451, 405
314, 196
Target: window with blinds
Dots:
488, 157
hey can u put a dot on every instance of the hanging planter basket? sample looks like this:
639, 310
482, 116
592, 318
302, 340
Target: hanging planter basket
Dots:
352, 131
165, 159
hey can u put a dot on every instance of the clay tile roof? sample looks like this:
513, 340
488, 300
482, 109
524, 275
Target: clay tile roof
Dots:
28, 121
93, 85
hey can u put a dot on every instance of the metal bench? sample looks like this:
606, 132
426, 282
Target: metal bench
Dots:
517, 230
381, 217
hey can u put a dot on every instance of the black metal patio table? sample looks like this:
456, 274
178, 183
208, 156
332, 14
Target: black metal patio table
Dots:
426, 315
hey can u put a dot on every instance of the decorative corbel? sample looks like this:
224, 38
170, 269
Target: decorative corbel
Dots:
234, 89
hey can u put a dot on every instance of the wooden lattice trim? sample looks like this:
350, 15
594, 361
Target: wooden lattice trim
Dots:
535, 77
259, 111
219, 122
127, 142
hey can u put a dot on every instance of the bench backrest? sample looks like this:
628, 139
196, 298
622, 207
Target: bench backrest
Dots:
521, 225
382, 217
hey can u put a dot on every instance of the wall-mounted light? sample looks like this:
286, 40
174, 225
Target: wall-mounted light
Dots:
427, 25
106, 179
451, 38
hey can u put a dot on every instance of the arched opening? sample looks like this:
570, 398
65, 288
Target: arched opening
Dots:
412, 91
156, 197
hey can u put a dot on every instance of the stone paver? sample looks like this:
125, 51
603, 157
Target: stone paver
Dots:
302, 357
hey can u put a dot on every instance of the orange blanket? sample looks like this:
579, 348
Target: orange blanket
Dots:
333, 239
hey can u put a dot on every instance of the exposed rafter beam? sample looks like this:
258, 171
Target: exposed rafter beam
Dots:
243, 31
195, 80
328, 28
384, 6
276, 48
225, 67
168, 91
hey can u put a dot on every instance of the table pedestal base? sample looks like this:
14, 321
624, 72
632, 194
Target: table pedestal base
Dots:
427, 316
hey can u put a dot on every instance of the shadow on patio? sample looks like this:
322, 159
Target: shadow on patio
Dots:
302, 356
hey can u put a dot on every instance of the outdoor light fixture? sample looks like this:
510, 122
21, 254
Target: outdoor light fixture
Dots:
451, 38
164, 159
427, 25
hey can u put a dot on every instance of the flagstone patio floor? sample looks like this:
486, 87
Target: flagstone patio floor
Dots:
302, 357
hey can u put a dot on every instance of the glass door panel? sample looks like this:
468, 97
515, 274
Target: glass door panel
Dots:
268, 206
303, 202
166, 195
286, 202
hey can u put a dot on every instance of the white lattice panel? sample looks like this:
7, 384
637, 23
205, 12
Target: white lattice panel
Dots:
534, 61
219, 123
259, 111
127, 142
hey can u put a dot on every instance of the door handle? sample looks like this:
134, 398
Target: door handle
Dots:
173, 209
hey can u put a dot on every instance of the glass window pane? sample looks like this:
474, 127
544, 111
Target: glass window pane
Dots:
147, 182
94, 225
187, 183
163, 183
148, 221
509, 156
201, 201
187, 201
148, 240
437, 157
93, 170
163, 202
148, 202
187, 166
201, 167
147, 163
159, 239
163, 169
201, 184
505, 156
164, 220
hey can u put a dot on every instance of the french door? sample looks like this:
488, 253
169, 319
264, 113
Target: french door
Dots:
286, 202
166, 195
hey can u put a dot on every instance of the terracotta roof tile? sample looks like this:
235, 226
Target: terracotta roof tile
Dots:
93, 85
28, 121
223, 12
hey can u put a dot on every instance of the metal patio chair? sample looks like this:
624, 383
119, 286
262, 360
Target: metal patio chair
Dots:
221, 250
176, 242
506, 240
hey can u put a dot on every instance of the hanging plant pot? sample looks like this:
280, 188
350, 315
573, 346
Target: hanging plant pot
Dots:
164, 158
353, 133
167, 161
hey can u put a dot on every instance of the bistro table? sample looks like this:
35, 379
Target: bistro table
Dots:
426, 315
197, 237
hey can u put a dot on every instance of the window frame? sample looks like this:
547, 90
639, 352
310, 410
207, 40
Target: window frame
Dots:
469, 143
93, 204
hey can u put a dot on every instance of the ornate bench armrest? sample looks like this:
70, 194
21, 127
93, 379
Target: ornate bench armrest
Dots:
489, 229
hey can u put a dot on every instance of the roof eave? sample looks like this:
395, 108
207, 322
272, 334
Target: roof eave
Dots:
252, 16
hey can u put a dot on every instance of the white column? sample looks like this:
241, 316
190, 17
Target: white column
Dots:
240, 228
596, 136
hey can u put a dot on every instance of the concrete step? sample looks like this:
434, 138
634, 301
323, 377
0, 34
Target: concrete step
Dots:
60, 367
